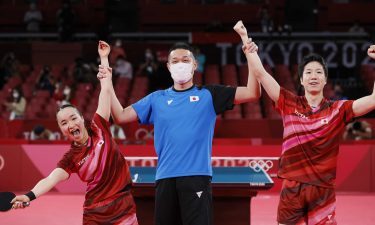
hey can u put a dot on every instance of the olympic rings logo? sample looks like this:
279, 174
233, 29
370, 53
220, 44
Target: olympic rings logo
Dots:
144, 134
2, 162
258, 165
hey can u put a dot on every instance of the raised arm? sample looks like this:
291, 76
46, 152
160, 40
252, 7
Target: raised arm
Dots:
365, 104
255, 65
252, 91
120, 115
42, 187
104, 103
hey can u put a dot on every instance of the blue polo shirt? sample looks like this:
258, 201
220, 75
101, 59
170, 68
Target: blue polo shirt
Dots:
184, 123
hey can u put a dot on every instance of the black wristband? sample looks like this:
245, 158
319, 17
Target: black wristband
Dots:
31, 195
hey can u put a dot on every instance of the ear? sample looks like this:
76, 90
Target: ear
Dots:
168, 66
195, 65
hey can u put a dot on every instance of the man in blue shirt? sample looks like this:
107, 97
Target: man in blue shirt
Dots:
184, 118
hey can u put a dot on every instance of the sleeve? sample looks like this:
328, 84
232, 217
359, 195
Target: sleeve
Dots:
143, 108
101, 123
347, 110
284, 96
66, 163
222, 96
20, 107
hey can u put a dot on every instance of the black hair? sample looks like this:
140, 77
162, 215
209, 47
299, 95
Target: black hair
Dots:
357, 125
182, 45
67, 106
38, 129
312, 58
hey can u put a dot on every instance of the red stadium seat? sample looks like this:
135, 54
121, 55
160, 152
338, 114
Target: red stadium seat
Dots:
229, 75
212, 74
44, 94
140, 87
14, 81
28, 90
24, 70
198, 78
87, 87
56, 70
235, 113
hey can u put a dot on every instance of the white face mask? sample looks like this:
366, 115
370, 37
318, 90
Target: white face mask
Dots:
181, 72
16, 94
66, 91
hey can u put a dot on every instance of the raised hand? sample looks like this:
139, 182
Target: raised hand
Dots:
104, 72
103, 49
371, 51
241, 30
248, 45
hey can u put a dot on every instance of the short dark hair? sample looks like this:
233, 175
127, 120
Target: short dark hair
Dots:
312, 58
67, 106
181, 45
357, 125
38, 129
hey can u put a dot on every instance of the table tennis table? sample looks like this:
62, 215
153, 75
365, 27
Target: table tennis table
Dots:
232, 189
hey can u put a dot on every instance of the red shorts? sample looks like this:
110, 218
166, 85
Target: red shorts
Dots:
302, 203
121, 211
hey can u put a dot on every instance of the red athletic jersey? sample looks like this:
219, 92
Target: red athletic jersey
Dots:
100, 164
311, 138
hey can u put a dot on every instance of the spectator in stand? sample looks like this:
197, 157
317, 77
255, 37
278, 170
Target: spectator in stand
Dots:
116, 130
62, 94
41, 133
33, 18
149, 67
83, 72
201, 60
149, 64
17, 106
45, 80
356, 28
338, 93
65, 21
117, 50
8, 67
266, 22
123, 68
358, 130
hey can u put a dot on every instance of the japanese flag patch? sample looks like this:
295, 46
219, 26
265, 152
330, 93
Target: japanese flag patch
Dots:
194, 98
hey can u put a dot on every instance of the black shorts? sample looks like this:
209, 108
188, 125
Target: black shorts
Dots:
183, 201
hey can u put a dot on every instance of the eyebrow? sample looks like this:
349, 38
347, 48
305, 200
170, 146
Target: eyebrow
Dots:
313, 69
72, 115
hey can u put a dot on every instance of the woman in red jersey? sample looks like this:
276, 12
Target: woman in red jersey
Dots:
97, 160
312, 129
